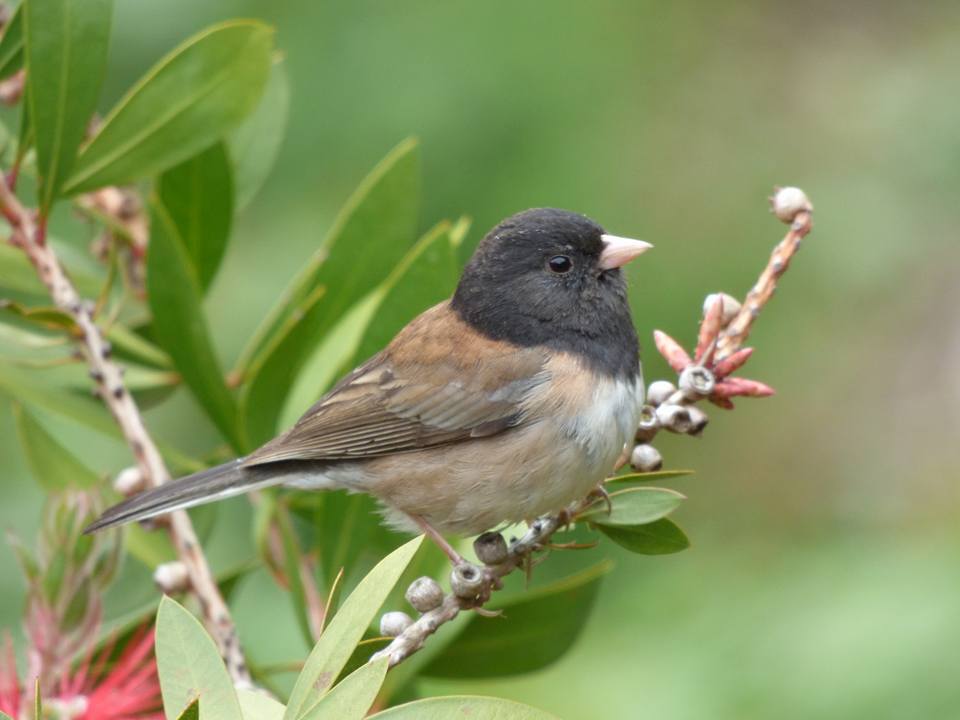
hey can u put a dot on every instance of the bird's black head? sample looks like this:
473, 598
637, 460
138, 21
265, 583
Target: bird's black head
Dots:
552, 277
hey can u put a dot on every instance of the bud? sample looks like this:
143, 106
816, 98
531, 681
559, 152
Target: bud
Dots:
424, 594
660, 391
675, 418
648, 424
646, 458
394, 623
129, 481
731, 306
466, 581
787, 202
698, 420
491, 548
696, 382
171, 577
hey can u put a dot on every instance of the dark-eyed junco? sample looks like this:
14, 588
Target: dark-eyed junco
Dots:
510, 400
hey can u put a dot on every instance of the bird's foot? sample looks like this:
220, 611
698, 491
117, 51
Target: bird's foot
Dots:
439, 540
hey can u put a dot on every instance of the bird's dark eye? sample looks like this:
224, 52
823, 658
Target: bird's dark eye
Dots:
560, 264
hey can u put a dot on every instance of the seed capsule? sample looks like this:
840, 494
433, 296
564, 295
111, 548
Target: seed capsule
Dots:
424, 594
394, 623
646, 458
491, 548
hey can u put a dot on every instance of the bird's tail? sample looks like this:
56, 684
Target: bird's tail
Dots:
215, 483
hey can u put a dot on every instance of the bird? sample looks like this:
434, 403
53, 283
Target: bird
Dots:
510, 400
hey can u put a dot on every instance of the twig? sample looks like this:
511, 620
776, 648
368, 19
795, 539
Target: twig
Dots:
108, 376
703, 375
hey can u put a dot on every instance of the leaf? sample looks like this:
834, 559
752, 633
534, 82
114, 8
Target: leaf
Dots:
50, 318
179, 324
291, 566
661, 537
634, 506
467, 707
198, 194
257, 706
66, 45
341, 636
11, 45
52, 465
190, 667
371, 234
185, 103
352, 697
631, 478
426, 275
192, 712
254, 145
4, 716
536, 629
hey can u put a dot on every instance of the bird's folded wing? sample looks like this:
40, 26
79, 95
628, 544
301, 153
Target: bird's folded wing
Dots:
436, 383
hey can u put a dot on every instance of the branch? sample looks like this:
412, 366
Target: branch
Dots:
706, 375
30, 237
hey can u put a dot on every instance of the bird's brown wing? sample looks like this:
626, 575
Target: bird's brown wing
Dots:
438, 382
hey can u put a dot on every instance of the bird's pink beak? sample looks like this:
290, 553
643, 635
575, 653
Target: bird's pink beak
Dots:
618, 251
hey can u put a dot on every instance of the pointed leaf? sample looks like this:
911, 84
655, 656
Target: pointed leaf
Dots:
371, 235
463, 707
11, 45
179, 323
257, 706
198, 194
66, 45
190, 666
192, 712
336, 645
352, 697
254, 145
536, 629
52, 465
661, 537
186, 102
645, 477
634, 506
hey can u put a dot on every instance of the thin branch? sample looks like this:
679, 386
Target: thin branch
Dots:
108, 376
703, 375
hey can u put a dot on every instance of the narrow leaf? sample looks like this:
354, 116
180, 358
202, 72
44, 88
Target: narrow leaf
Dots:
463, 707
192, 712
179, 323
52, 465
634, 506
536, 629
11, 45
187, 101
370, 236
352, 697
257, 706
336, 645
190, 666
633, 478
198, 194
661, 537
66, 45
254, 145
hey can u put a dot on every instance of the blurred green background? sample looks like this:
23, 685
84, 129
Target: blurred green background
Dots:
823, 579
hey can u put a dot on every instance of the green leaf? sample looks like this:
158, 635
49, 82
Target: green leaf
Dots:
190, 667
186, 102
254, 145
4, 716
179, 323
634, 506
336, 645
198, 194
661, 537
29, 389
66, 45
536, 629
11, 45
192, 712
52, 465
465, 707
370, 236
257, 706
633, 478
352, 697
291, 567
424, 276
